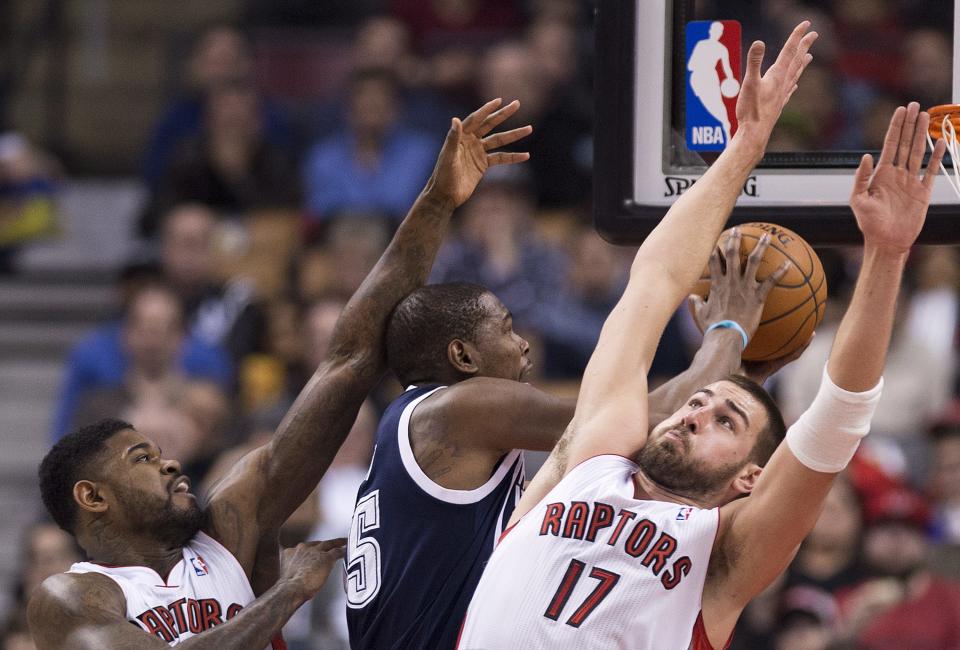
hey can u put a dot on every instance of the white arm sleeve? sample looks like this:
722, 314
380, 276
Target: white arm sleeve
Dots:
828, 433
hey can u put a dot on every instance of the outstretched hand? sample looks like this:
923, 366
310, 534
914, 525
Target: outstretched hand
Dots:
762, 97
890, 202
735, 295
466, 153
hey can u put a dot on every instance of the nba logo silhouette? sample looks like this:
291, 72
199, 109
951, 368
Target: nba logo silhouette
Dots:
199, 566
713, 83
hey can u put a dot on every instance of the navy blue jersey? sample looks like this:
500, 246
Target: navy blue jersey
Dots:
416, 549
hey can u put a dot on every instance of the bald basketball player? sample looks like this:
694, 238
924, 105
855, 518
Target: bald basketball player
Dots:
164, 571
626, 539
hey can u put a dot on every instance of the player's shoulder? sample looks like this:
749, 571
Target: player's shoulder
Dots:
75, 595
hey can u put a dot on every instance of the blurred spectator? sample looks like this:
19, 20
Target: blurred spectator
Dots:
592, 285
907, 408
869, 33
378, 166
934, 313
944, 485
561, 145
145, 353
229, 165
903, 605
27, 192
221, 57
829, 558
498, 248
44, 551
927, 54
449, 34
218, 313
807, 619
383, 43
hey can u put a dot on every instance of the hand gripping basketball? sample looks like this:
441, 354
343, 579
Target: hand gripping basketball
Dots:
795, 304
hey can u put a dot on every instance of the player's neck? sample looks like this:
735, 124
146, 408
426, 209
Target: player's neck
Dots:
646, 488
116, 548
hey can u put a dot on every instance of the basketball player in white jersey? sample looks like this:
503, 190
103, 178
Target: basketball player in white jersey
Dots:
164, 571
630, 540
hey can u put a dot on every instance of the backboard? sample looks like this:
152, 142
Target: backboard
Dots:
654, 137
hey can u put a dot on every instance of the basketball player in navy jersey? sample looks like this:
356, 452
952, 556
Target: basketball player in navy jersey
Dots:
448, 469
185, 575
635, 538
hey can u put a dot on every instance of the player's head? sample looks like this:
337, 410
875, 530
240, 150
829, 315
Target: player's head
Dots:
714, 446
444, 333
108, 481
716, 30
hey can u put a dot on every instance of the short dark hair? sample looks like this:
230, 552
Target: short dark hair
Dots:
772, 435
67, 462
425, 322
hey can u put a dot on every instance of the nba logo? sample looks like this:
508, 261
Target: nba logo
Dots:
684, 513
713, 83
199, 566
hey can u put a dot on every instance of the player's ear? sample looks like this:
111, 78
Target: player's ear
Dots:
462, 356
747, 478
88, 496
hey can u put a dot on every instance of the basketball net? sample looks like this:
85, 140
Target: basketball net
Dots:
949, 135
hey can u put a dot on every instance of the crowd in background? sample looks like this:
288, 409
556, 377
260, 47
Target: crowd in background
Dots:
265, 215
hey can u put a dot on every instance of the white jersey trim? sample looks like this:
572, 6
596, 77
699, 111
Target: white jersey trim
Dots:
447, 495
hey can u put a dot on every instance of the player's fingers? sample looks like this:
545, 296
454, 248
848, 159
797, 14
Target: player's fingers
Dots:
906, 134
696, 304
754, 60
933, 165
915, 161
716, 268
802, 58
506, 137
892, 139
767, 285
756, 255
496, 119
477, 117
861, 180
339, 542
731, 253
507, 158
790, 49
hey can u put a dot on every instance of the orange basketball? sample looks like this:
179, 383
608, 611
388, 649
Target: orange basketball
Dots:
795, 305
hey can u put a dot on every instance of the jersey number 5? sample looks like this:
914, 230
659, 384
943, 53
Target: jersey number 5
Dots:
363, 554
570, 579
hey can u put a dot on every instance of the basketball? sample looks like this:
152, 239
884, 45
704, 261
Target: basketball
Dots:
795, 305
729, 87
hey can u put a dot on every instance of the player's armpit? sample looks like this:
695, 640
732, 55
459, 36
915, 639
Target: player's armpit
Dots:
495, 414
83, 612
759, 535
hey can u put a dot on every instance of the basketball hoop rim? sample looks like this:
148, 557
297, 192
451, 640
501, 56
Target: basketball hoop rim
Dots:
937, 115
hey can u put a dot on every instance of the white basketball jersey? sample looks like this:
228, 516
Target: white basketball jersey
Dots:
206, 588
593, 567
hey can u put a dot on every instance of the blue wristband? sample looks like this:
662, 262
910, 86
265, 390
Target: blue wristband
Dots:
733, 325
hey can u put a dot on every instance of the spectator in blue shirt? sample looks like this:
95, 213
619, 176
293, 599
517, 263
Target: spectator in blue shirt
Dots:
146, 354
377, 165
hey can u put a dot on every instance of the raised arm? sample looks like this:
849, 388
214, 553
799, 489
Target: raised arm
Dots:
611, 416
88, 611
733, 296
272, 481
760, 534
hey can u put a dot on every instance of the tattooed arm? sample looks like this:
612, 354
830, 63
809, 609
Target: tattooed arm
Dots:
271, 482
88, 611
